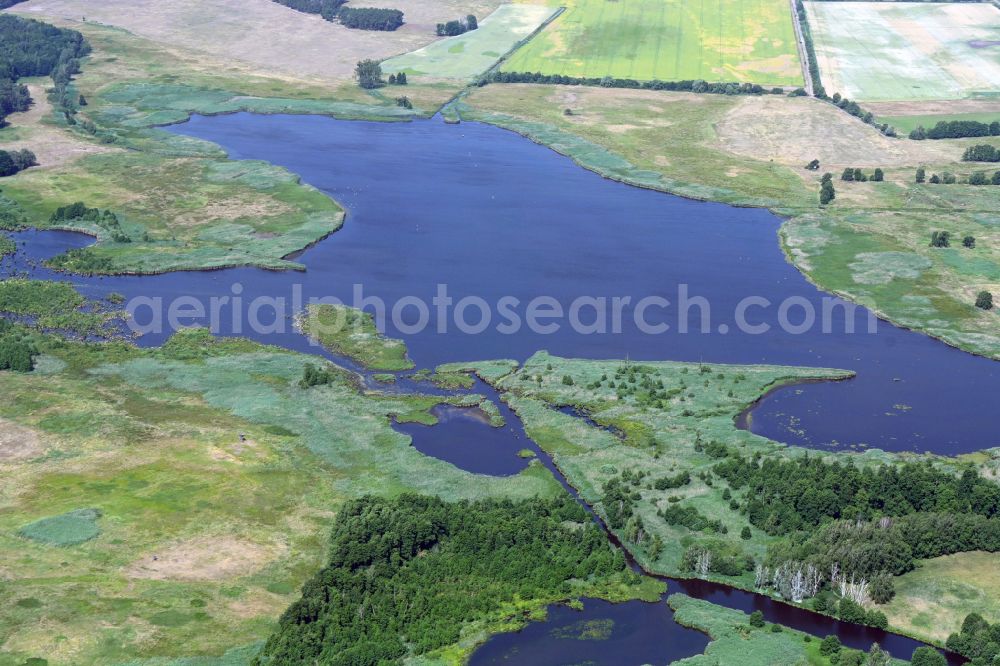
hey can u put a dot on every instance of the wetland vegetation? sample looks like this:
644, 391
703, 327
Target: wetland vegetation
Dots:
171, 502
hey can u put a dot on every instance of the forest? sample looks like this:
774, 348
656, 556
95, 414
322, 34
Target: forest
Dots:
32, 48
358, 18
404, 575
370, 18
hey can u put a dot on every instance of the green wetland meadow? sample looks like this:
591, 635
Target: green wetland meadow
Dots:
222, 502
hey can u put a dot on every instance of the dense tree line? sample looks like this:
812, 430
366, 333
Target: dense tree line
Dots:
370, 18
853, 174
405, 575
11, 162
818, 89
78, 212
956, 129
867, 117
457, 27
698, 86
981, 153
325, 8
359, 18
784, 496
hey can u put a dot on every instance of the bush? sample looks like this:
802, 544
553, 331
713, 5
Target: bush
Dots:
927, 656
369, 74
984, 300
981, 153
940, 239
756, 619
882, 589
830, 645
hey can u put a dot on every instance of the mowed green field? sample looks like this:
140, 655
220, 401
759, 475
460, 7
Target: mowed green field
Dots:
881, 51
737, 40
907, 123
471, 54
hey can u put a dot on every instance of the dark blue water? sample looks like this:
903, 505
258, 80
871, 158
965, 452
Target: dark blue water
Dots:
631, 633
490, 214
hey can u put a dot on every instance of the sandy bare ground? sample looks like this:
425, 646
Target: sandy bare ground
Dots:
18, 443
796, 131
204, 558
270, 38
52, 145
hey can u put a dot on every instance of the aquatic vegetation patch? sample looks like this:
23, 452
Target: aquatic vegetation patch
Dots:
68, 529
353, 333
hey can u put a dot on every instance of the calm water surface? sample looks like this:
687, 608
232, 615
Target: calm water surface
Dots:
490, 214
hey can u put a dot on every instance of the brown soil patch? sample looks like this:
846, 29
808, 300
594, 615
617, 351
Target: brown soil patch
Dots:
18, 443
205, 559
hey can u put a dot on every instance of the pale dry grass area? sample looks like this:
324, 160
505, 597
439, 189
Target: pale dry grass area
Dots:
205, 558
932, 601
18, 443
794, 131
934, 107
262, 36
53, 145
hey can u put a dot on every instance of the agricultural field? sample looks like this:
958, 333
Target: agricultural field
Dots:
745, 40
932, 601
905, 124
263, 37
873, 51
472, 53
